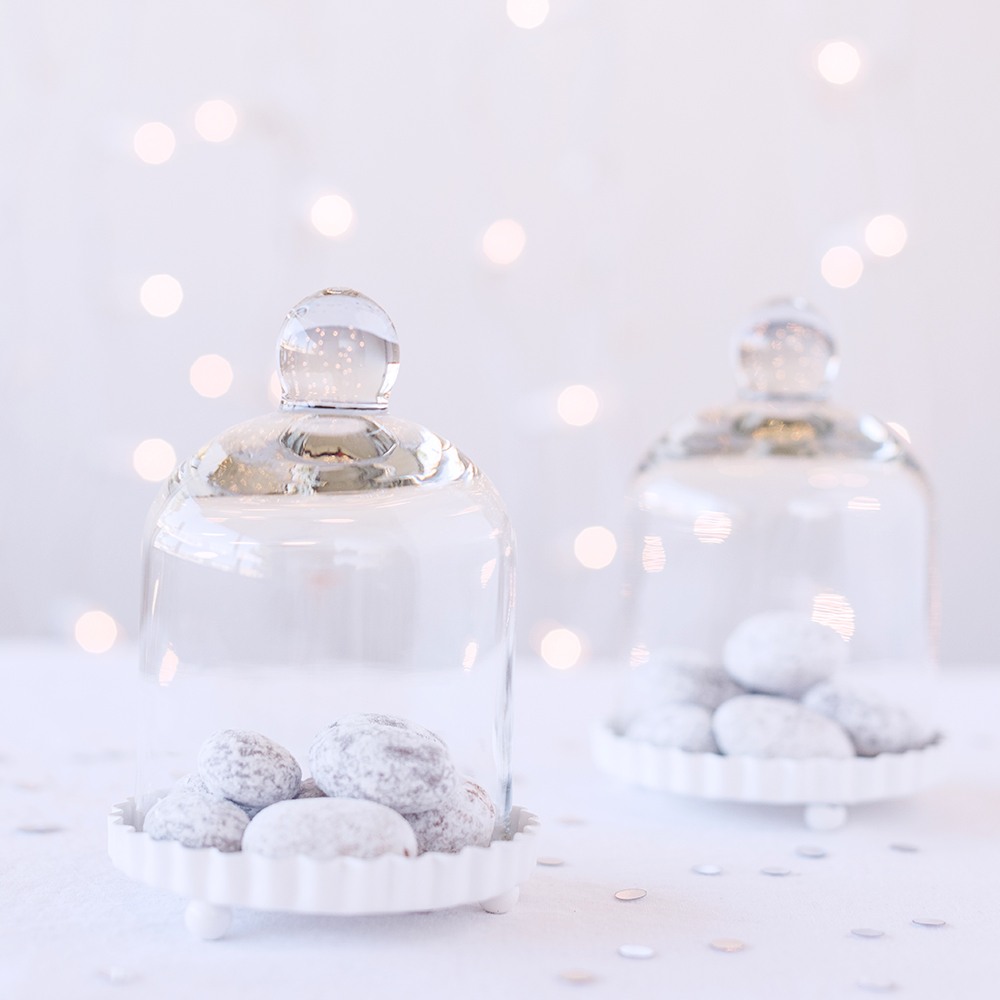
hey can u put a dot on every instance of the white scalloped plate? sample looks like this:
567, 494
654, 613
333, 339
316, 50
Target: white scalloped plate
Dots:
812, 781
348, 886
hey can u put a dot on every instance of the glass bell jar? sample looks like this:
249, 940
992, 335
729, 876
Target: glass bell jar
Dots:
780, 599
327, 614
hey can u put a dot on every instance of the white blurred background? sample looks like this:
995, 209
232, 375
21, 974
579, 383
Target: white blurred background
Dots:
542, 195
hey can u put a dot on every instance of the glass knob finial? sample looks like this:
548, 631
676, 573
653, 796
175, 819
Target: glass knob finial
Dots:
785, 350
339, 349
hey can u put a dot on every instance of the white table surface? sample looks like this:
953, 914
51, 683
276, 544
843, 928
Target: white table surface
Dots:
71, 926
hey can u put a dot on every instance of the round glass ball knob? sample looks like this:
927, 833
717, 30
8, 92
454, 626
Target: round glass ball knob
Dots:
785, 351
337, 349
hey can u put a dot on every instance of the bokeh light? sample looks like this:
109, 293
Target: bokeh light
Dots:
211, 376
527, 13
154, 143
712, 527
504, 242
838, 62
595, 547
841, 266
561, 648
886, 235
161, 295
834, 611
95, 631
332, 215
215, 121
154, 459
578, 405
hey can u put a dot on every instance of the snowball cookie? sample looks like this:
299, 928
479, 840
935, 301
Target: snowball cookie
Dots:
656, 684
759, 725
873, 724
196, 821
384, 759
329, 828
195, 783
686, 727
782, 652
248, 768
467, 819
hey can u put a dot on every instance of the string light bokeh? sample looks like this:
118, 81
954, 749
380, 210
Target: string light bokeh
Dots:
564, 225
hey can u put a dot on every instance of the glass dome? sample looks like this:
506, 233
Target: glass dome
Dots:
780, 597
326, 560
781, 502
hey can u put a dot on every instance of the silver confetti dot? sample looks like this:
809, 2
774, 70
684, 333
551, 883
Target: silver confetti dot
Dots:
578, 977
551, 862
40, 828
810, 851
928, 922
776, 871
727, 944
876, 985
707, 870
636, 951
629, 894
904, 848
571, 820
866, 932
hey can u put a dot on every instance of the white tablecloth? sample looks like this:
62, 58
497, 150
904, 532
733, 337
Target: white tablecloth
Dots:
72, 927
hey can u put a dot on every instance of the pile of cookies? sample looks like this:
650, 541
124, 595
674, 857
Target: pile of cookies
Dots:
780, 692
379, 785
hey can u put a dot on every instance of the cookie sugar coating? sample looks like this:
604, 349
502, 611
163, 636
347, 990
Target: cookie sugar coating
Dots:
467, 819
384, 759
760, 725
783, 653
196, 820
248, 768
875, 726
324, 828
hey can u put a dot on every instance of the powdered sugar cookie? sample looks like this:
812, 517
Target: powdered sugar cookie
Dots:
875, 726
248, 768
196, 820
759, 725
324, 828
466, 819
384, 759
687, 727
783, 653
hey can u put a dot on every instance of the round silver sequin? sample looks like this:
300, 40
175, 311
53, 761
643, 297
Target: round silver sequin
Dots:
866, 932
40, 828
928, 922
551, 862
727, 944
707, 870
629, 894
904, 848
876, 985
578, 977
636, 951
776, 871
810, 851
